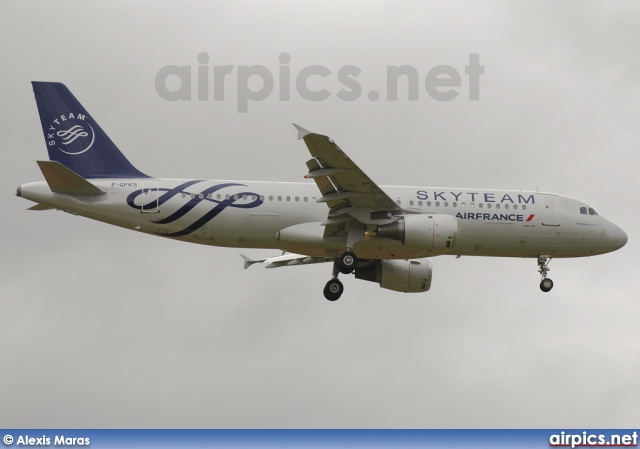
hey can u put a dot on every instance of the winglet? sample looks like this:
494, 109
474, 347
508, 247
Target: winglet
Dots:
248, 262
301, 131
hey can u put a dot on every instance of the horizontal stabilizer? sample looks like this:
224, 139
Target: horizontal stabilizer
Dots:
285, 260
40, 207
63, 180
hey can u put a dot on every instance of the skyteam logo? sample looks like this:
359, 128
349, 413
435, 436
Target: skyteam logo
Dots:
71, 134
243, 200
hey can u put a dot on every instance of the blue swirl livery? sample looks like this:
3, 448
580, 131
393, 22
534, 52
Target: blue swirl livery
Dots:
204, 196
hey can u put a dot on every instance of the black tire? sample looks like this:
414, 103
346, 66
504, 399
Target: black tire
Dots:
333, 290
546, 285
347, 262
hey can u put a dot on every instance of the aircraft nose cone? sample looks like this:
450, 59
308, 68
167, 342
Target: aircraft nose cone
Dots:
621, 236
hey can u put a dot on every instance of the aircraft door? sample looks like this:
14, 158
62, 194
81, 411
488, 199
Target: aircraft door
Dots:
150, 197
550, 215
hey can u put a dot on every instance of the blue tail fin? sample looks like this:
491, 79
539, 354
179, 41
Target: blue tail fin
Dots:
75, 139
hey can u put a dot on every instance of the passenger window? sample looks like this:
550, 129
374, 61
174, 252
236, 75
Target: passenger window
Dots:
480, 205
306, 199
270, 197
455, 204
515, 206
297, 199
583, 210
524, 207
506, 206
419, 203
488, 205
437, 203
411, 203
288, 198
497, 206
399, 202
429, 203
445, 204
279, 198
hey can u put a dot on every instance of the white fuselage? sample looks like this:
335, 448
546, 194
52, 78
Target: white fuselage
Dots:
259, 214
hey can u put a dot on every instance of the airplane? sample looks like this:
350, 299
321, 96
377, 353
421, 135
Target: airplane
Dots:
382, 234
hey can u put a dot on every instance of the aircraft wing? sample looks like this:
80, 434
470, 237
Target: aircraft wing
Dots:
339, 179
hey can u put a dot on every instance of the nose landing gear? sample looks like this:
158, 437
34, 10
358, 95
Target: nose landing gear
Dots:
546, 284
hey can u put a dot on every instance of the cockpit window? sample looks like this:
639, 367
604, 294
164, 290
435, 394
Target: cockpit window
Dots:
588, 211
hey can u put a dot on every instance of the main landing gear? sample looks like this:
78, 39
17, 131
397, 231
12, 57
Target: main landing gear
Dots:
333, 290
546, 284
346, 263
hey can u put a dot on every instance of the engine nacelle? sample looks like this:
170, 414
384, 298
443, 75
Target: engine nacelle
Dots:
432, 232
408, 276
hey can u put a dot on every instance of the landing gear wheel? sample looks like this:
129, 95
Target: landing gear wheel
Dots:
333, 290
546, 285
543, 268
347, 262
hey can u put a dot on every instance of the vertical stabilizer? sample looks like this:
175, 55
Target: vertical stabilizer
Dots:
74, 138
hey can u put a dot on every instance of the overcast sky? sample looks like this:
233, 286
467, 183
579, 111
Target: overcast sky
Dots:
104, 327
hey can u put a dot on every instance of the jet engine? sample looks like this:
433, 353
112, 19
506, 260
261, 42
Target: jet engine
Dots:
408, 276
432, 232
